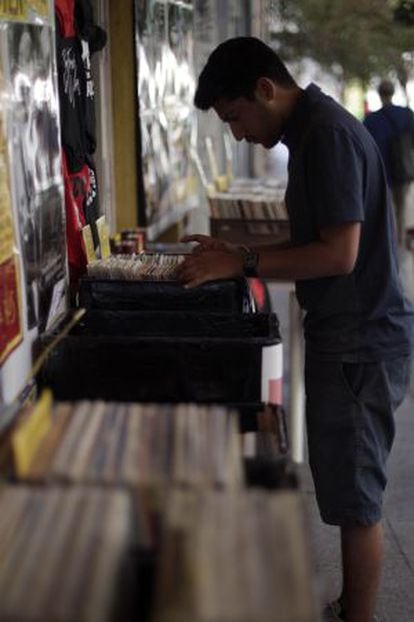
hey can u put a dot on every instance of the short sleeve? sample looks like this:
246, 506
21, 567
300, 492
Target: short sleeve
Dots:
334, 169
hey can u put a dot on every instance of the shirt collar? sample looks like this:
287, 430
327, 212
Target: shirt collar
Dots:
298, 119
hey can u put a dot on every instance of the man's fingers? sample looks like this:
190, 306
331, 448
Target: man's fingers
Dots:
186, 270
191, 274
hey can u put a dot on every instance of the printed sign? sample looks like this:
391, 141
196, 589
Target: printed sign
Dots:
26, 440
88, 243
103, 234
10, 322
13, 9
24, 10
10, 328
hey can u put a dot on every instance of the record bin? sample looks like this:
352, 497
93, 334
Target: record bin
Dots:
163, 357
224, 296
103, 323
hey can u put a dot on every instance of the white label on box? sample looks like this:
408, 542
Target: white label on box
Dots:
272, 374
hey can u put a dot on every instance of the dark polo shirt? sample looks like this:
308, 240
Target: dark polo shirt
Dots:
336, 176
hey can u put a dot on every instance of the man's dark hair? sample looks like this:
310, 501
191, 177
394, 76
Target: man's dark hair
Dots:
233, 68
386, 88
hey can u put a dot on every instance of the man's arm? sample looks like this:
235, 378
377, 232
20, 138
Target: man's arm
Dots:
208, 243
335, 253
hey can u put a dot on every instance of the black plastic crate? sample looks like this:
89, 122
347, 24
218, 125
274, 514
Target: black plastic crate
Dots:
226, 296
109, 323
146, 358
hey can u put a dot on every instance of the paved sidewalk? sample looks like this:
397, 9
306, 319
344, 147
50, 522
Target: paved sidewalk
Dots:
396, 600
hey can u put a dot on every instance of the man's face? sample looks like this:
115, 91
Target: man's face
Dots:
256, 120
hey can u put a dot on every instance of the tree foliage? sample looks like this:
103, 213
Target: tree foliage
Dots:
404, 12
350, 38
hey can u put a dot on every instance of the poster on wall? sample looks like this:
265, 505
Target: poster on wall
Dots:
206, 31
10, 305
35, 153
164, 44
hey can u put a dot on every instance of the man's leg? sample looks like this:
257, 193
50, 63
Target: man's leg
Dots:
362, 555
351, 428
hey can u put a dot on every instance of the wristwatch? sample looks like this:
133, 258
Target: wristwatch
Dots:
250, 263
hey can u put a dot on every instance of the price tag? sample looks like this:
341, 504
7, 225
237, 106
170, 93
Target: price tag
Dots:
28, 436
89, 245
222, 183
103, 233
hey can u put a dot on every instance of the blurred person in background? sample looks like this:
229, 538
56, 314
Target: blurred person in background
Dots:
386, 125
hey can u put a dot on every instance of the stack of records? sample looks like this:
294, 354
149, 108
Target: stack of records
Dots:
62, 553
238, 557
243, 206
140, 446
142, 267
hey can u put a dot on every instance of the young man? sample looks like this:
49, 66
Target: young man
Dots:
358, 326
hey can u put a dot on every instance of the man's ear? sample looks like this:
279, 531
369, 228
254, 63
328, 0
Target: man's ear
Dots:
265, 88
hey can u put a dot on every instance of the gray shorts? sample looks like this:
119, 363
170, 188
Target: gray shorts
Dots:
350, 423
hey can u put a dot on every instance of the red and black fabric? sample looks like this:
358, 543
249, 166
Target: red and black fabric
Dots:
77, 36
76, 190
91, 205
65, 16
72, 85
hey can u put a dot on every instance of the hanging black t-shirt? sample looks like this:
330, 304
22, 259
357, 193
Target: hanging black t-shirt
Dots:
72, 81
93, 39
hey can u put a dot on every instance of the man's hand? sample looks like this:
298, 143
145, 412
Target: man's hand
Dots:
210, 265
207, 243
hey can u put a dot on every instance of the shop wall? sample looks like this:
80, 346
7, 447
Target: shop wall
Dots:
124, 102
